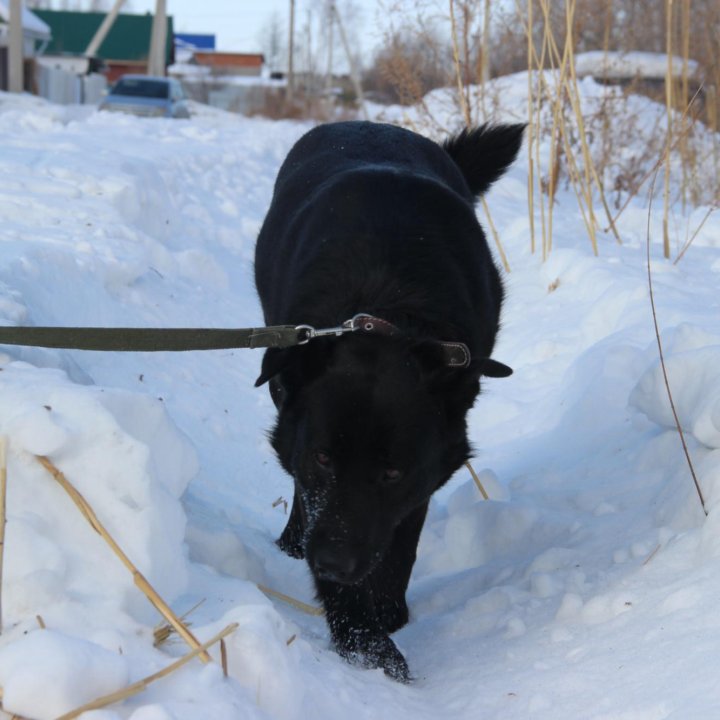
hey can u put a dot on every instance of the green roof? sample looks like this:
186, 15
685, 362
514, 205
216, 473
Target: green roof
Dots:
128, 39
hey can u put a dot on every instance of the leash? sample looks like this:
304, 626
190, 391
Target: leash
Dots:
153, 339
179, 339
185, 339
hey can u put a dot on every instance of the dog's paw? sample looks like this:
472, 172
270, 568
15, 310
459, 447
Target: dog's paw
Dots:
378, 651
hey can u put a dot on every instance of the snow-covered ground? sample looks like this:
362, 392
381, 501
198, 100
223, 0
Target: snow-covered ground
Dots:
586, 588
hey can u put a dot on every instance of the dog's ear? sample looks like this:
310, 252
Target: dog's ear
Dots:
494, 369
484, 153
299, 364
274, 362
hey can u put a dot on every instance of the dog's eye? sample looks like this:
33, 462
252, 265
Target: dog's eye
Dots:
322, 458
392, 475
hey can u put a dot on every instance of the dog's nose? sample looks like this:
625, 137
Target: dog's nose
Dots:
335, 563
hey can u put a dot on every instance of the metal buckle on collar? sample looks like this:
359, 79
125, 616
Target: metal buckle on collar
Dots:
306, 333
457, 354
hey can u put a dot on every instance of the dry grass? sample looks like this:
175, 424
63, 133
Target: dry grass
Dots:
663, 366
164, 630
140, 581
141, 685
3, 496
479, 484
598, 147
174, 624
297, 604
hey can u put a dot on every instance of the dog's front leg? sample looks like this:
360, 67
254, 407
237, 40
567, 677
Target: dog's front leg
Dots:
389, 580
357, 634
291, 539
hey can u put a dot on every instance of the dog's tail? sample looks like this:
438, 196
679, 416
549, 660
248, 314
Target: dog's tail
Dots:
484, 153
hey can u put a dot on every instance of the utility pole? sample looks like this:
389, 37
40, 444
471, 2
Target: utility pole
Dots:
330, 42
15, 48
354, 74
103, 30
290, 95
158, 40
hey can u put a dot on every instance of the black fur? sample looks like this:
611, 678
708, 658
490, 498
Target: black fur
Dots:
373, 218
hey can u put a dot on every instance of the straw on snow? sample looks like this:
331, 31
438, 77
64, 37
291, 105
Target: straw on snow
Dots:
140, 685
297, 604
480, 486
140, 581
164, 630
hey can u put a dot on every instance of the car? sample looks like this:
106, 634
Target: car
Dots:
147, 96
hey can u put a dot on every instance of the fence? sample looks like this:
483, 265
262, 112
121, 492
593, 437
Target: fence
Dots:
60, 86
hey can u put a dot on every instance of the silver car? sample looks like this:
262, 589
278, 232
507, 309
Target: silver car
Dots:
147, 96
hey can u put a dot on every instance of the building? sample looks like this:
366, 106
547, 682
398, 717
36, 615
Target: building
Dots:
226, 63
36, 36
124, 50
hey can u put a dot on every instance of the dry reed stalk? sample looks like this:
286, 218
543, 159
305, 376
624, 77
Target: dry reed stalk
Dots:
531, 130
684, 91
140, 685
538, 111
465, 107
466, 52
3, 496
494, 233
484, 56
297, 604
553, 168
139, 579
690, 241
479, 484
574, 95
40, 622
662, 360
669, 111
223, 657
651, 555
654, 169
570, 85
584, 198
163, 631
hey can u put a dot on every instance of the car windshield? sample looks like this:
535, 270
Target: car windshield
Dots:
141, 88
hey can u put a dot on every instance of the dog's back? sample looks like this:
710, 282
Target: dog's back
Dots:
374, 218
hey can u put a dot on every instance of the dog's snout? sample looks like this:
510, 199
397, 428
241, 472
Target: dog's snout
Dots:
337, 563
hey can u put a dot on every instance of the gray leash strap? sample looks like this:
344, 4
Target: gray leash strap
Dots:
152, 339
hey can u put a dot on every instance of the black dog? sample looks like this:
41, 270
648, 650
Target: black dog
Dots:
373, 220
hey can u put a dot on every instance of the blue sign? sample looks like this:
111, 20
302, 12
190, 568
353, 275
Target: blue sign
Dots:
194, 41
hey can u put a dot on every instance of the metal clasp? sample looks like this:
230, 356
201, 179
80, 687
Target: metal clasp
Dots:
307, 332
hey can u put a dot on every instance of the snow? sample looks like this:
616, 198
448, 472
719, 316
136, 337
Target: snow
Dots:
631, 64
47, 673
584, 588
695, 375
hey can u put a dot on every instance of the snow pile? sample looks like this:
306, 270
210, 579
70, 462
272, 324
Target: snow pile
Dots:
46, 673
584, 588
628, 65
121, 452
625, 133
694, 379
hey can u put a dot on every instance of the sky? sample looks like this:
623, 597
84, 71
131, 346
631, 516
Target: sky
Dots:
238, 24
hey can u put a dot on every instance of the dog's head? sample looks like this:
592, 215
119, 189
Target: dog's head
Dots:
369, 427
